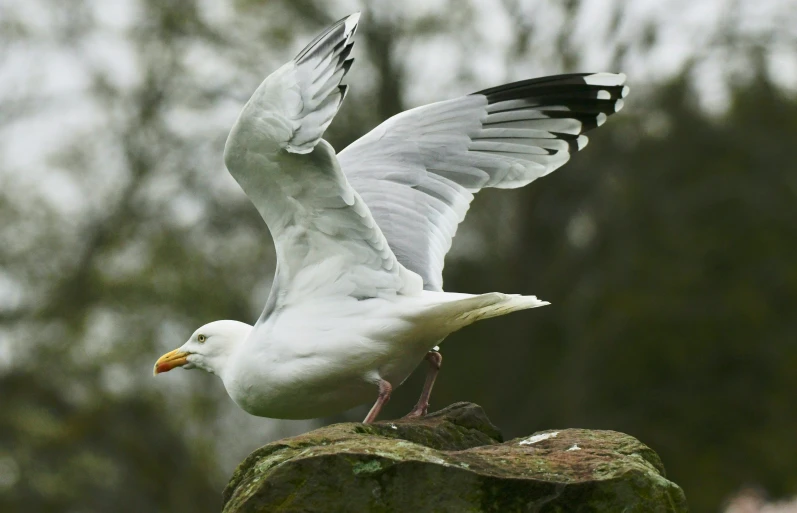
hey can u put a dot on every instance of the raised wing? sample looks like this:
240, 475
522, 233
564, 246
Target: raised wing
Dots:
418, 170
326, 240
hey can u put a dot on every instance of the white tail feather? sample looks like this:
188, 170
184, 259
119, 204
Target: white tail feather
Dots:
496, 304
461, 310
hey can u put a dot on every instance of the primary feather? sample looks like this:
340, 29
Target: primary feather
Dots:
327, 242
418, 170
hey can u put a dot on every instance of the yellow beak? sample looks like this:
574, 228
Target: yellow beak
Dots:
169, 361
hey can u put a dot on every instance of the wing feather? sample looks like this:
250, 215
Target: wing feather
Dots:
327, 241
418, 170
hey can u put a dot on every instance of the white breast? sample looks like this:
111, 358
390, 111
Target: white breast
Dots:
321, 358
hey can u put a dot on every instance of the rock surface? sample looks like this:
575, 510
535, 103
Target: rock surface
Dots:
453, 460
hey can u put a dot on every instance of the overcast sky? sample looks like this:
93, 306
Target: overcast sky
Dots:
41, 66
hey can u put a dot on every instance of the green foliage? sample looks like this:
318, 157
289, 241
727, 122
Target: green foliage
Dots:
108, 456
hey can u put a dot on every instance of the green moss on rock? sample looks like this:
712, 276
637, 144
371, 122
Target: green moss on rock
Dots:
452, 460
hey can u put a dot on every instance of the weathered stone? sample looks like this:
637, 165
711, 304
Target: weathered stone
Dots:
453, 460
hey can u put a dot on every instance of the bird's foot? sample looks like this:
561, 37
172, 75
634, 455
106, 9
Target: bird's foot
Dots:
417, 412
435, 360
385, 389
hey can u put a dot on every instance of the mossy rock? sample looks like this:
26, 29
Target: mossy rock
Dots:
453, 460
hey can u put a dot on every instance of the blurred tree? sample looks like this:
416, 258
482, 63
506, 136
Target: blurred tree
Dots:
118, 455
666, 252
667, 261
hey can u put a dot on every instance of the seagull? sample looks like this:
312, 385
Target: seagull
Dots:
357, 300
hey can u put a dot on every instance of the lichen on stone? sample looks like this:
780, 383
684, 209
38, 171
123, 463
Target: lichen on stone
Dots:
452, 460
368, 467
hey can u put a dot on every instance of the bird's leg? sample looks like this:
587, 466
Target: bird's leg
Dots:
435, 359
385, 389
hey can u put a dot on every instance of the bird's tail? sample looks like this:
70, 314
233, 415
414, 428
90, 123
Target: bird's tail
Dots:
461, 310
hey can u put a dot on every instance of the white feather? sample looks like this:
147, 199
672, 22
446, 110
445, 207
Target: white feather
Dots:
355, 251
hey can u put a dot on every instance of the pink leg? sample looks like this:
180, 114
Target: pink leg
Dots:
385, 389
435, 359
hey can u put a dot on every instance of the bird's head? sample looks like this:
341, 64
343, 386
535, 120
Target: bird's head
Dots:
208, 348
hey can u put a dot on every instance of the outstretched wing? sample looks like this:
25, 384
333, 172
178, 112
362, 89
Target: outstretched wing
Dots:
326, 240
418, 170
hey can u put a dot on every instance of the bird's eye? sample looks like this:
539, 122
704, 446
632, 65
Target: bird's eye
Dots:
201, 338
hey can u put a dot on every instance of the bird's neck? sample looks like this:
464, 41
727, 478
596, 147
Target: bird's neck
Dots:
220, 362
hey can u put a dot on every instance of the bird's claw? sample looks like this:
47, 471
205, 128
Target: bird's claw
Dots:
417, 412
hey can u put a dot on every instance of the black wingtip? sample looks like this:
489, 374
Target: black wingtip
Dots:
582, 84
573, 78
588, 98
343, 29
352, 21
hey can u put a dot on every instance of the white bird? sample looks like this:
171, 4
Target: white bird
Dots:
357, 300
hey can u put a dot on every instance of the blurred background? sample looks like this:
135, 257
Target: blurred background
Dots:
667, 247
